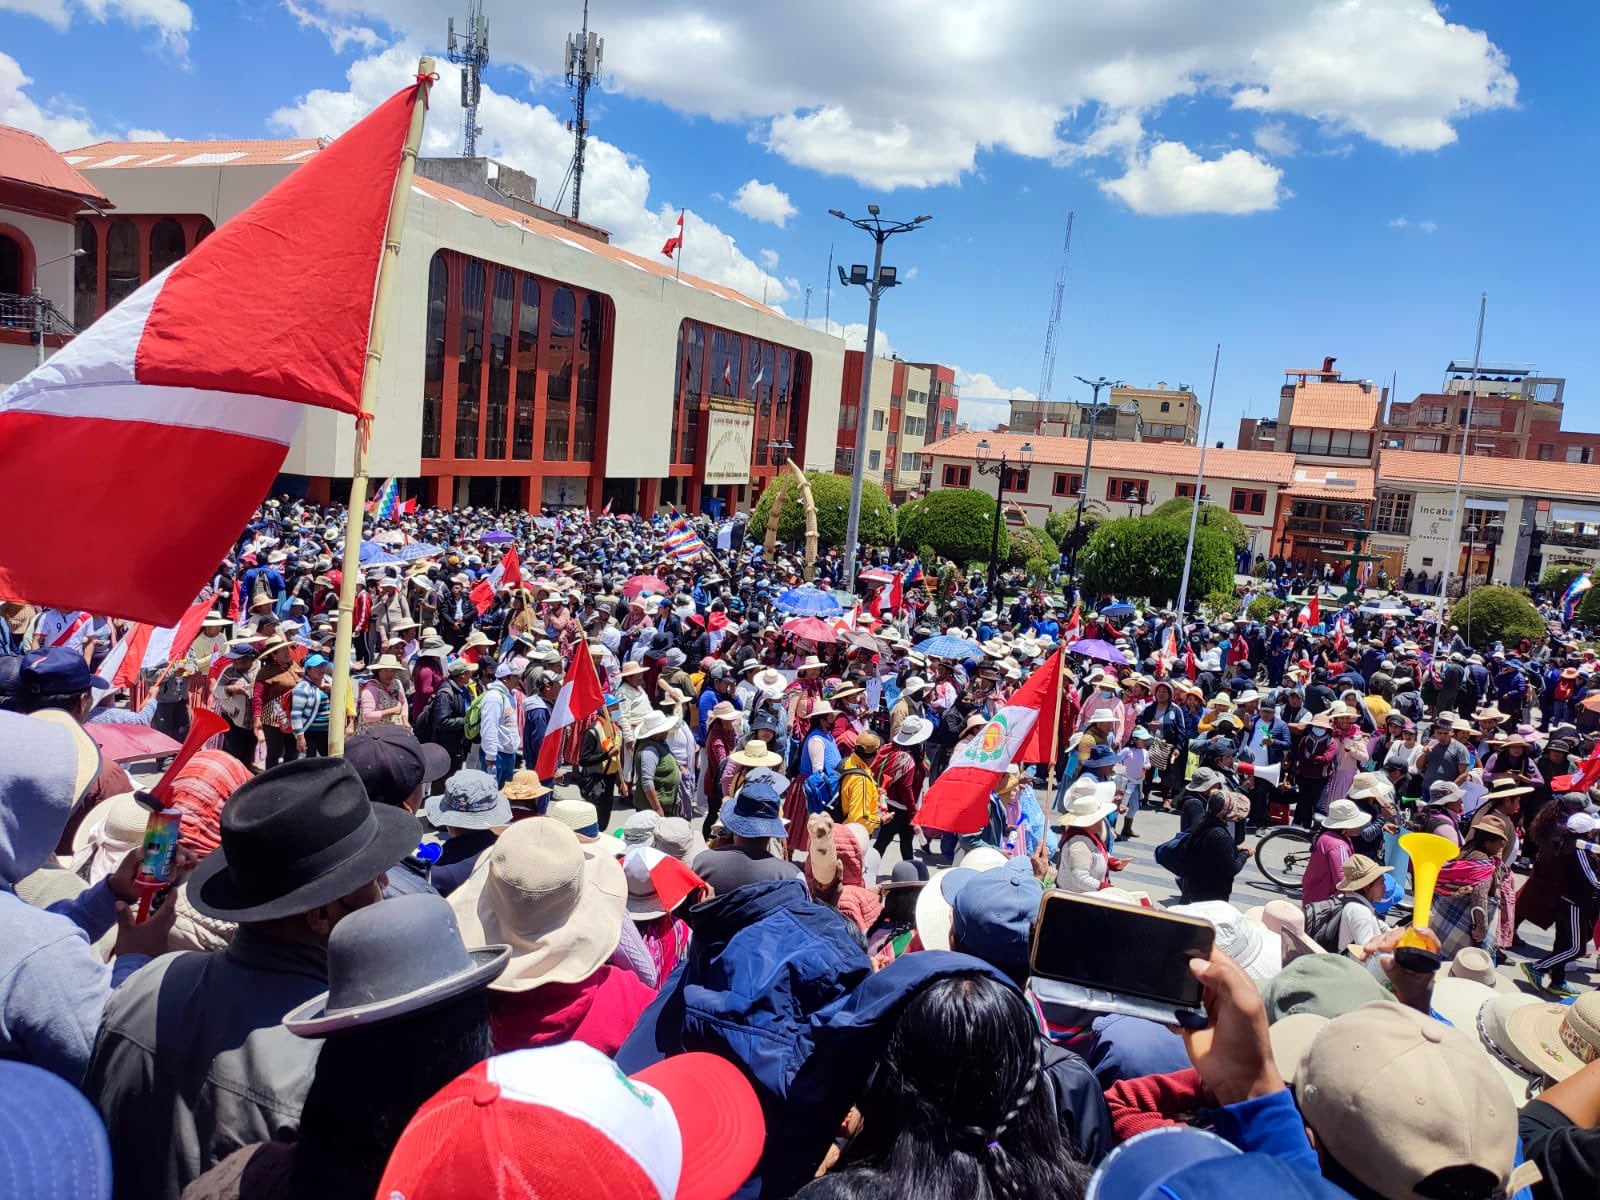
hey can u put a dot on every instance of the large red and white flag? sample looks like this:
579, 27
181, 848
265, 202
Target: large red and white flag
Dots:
1311, 614
154, 435
958, 801
1074, 627
675, 242
579, 699
146, 648
507, 574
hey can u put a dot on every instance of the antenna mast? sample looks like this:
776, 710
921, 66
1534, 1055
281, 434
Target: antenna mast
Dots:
471, 52
584, 51
1047, 373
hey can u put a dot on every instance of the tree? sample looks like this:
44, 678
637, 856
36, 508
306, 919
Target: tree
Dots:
1588, 610
1030, 542
957, 522
1263, 607
1492, 613
831, 494
1211, 517
1064, 528
1556, 580
1143, 556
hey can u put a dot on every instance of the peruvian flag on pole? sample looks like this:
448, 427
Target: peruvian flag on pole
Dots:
890, 597
1074, 628
507, 574
211, 364
579, 699
1311, 614
958, 801
675, 242
146, 648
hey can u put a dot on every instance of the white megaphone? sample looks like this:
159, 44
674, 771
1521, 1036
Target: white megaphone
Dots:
1271, 776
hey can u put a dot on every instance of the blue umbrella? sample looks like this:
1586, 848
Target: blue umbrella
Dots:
1120, 609
374, 555
809, 601
942, 645
412, 551
497, 537
1095, 648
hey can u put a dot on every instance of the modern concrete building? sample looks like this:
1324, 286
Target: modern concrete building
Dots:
530, 361
1257, 433
1516, 413
1068, 418
1166, 414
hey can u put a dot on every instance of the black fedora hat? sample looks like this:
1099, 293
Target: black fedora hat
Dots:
297, 837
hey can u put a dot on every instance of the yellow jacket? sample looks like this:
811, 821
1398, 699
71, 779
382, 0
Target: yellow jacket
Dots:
858, 793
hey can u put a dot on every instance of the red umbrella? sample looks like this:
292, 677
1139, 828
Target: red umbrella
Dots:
875, 575
811, 629
644, 583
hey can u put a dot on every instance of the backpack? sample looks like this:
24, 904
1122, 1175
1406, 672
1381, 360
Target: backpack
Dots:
836, 807
1322, 921
474, 723
1173, 854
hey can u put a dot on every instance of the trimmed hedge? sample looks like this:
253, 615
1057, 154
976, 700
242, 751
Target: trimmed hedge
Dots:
1030, 542
1143, 556
1211, 517
1492, 613
957, 523
831, 494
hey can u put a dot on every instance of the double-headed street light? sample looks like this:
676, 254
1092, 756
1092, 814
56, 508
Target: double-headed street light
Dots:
877, 282
998, 468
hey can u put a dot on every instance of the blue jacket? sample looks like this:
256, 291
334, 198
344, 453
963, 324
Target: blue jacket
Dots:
775, 982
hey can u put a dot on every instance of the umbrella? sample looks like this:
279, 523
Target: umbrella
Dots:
811, 629
374, 555
876, 575
1095, 648
415, 550
497, 537
809, 601
130, 743
640, 584
864, 640
944, 646
1120, 609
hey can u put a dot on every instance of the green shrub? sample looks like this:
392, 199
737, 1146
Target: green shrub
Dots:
1143, 556
1030, 542
1262, 569
1039, 568
957, 523
1211, 517
1492, 613
906, 517
831, 494
1556, 580
1588, 609
1065, 531
1263, 607
1222, 602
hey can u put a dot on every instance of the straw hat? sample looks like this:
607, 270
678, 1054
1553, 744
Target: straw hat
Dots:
1089, 805
823, 709
657, 724
755, 753
810, 663
524, 785
558, 905
1558, 1039
388, 662
770, 683
630, 670
1344, 814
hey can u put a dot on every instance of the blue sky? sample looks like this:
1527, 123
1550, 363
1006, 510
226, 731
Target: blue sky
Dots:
1291, 178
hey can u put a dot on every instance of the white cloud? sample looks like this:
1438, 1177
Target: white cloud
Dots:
338, 33
1421, 226
768, 258
1172, 179
764, 202
137, 134
984, 401
1275, 138
59, 122
171, 19
854, 335
1060, 82
616, 186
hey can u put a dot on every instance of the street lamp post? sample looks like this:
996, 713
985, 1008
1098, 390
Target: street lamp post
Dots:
1088, 462
40, 304
997, 468
880, 280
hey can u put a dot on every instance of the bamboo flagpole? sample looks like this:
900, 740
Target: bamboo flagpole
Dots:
339, 697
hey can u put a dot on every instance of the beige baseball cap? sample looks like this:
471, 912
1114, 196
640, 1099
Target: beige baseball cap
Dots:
1395, 1096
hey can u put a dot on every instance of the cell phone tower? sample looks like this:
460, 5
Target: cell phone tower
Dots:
1052, 327
471, 52
584, 51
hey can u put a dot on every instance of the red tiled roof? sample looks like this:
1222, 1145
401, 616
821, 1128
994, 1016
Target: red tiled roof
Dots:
28, 159
277, 151
1149, 458
1333, 483
445, 194
1535, 477
1334, 406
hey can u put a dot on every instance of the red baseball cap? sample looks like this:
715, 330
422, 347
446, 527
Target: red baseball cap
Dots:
565, 1121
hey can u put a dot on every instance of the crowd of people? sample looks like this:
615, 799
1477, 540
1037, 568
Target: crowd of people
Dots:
699, 942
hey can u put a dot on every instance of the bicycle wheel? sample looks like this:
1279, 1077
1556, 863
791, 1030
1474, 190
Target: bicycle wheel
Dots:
1282, 855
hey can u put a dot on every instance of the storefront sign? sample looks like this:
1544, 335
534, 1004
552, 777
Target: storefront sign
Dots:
1331, 543
728, 442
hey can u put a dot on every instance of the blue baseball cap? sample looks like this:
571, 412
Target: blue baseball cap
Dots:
993, 911
316, 660
754, 811
61, 1144
56, 671
1182, 1163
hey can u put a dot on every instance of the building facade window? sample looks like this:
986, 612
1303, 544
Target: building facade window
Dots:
1066, 484
1427, 441
1184, 491
1547, 452
1393, 512
1129, 491
718, 364
526, 362
14, 272
558, 374
1015, 480
877, 420
1334, 443
957, 476
433, 356
122, 260
1247, 500
498, 405
873, 459
1166, 406
469, 361
86, 274
1580, 454
166, 245
591, 337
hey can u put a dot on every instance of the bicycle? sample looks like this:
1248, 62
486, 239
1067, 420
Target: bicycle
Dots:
1282, 854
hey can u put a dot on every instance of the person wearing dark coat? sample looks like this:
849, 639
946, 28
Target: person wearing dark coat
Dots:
1211, 858
447, 713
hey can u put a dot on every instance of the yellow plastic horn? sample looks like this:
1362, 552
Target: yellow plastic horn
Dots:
1429, 852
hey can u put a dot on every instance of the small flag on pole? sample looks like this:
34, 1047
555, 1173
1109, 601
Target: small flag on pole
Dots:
683, 542
387, 502
675, 242
579, 699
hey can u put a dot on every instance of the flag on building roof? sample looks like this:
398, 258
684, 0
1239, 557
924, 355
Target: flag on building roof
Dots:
209, 365
675, 242
958, 801
580, 698
683, 542
387, 502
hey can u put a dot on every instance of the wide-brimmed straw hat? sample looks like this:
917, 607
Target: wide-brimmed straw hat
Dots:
756, 753
1559, 1039
557, 903
1088, 802
913, 731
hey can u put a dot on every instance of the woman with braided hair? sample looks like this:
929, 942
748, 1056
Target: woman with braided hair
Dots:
958, 1108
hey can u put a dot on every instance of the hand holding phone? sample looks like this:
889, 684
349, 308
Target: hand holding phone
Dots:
1231, 1051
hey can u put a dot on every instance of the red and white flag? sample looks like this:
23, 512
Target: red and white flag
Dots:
72, 634
1169, 648
507, 574
1074, 626
958, 801
1340, 637
1584, 778
671, 880
146, 648
675, 242
1311, 614
207, 368
579, 699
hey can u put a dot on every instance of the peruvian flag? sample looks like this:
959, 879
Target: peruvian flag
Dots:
1340, 639
235, 608
1581, 780
579, 699
210, 364
1311, 614
409, 507
1074, 627
671, 880
508, 574
1190, 667
675, 242
958, 801
146, 648
891, 597
1169, 648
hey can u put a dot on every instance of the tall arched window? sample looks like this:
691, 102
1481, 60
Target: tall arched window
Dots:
203, 231
86, 275
12, 271
122, 260
433, 357
558, 375
527, 375
797, 391
591, 338
498, 407
693, 384
166, 245
469, 369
